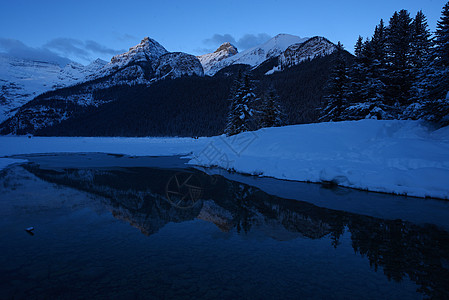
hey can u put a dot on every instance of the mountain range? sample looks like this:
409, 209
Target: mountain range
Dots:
36, 95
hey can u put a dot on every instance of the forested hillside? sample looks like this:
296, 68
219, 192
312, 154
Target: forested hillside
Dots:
196, 106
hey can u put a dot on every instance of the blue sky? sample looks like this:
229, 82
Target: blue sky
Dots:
84, 30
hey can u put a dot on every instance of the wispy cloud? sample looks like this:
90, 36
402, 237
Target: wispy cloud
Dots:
246, 41
68, 47
85, 50
18, 49
251, 40
218, 39
124, 37
59, 50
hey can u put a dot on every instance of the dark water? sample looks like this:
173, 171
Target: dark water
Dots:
145, 228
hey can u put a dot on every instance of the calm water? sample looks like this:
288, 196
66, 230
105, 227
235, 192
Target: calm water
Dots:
139, 228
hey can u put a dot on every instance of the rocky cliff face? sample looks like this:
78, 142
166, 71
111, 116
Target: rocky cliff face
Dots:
178, 64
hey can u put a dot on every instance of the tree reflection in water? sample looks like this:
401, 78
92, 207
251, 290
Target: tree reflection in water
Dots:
138, 196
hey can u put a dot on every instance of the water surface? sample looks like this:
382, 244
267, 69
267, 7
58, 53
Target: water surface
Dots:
110, 226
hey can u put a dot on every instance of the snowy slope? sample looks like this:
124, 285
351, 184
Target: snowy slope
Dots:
256, 55
21, 80
402, 157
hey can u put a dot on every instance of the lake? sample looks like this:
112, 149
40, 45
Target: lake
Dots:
113, 226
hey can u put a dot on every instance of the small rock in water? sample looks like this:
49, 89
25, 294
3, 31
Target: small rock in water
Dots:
30, 230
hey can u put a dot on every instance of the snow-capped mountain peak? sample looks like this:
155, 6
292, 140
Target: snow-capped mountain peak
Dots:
253, 56
209, 60
147, 50
227, 48
280, 43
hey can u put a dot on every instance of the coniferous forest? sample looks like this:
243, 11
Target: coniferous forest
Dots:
401, 72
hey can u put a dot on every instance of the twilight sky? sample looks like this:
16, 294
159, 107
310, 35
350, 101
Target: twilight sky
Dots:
84, 30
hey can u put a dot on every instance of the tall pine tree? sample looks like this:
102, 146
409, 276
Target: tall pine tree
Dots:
399, 67
242, 110
336, 99
271, 113
420, 50
436, 82
420, 44
357, 74
375, 66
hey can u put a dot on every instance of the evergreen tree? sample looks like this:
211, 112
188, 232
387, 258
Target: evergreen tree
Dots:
367, 88
438, 77
420, 44
420, 51
374, 69
398, 56
436, 81
374, 57
358, 47
271, 114
242, 111
357, 74
442, 38
337, 90
379, 42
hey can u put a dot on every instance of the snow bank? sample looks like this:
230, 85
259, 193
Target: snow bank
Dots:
401, 157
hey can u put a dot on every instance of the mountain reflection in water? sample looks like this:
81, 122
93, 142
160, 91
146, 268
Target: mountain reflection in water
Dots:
141, 197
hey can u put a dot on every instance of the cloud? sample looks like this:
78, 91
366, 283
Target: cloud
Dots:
85, 50
251, 40
218, 39
18, 49
59, 50
68, 47
97, 48
246, 41
124, 37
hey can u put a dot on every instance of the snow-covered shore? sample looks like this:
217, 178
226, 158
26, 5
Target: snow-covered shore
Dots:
402, 157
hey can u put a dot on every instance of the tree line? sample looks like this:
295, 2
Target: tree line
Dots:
401, 72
